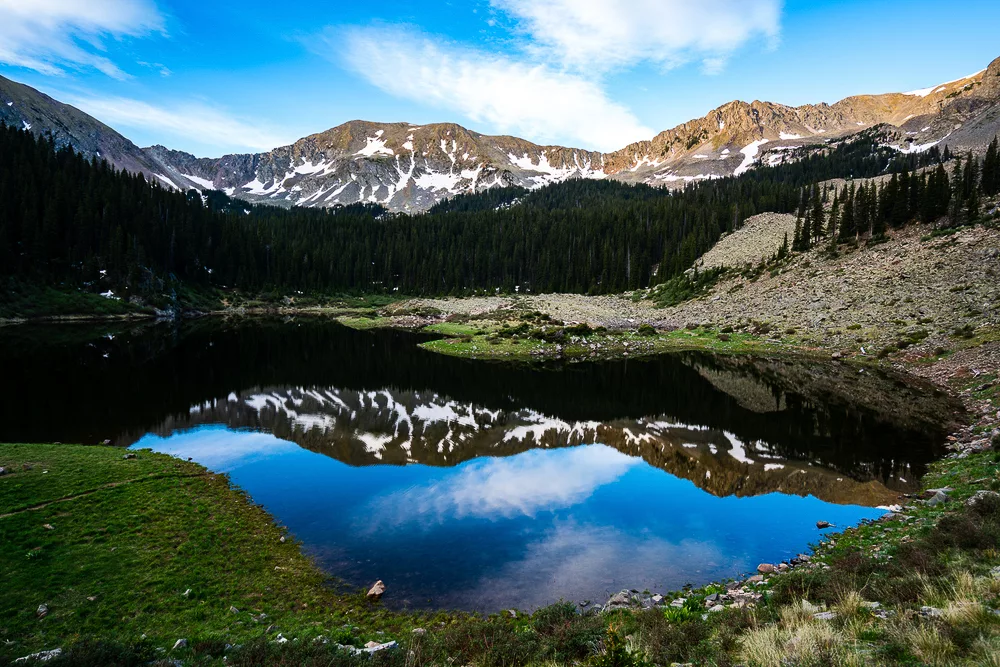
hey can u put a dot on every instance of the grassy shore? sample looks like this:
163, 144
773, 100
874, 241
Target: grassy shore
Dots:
130, 555
526, 337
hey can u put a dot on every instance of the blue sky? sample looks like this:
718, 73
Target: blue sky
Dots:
225, 76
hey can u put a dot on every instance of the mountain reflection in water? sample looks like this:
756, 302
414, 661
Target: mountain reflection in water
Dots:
483, 485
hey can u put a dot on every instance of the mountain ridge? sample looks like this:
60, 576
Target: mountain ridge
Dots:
409, 168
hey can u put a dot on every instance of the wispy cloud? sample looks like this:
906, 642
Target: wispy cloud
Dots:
606, 34
524, 485
187, 122
50, 36
513, 96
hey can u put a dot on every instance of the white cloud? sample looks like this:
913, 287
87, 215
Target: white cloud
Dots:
528, 99
188, 122
49, 35
523, 485
217, 448
605, 34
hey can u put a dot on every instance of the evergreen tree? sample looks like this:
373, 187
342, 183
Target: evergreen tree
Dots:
991, 170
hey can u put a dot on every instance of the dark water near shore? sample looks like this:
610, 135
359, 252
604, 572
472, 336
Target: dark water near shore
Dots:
481, 485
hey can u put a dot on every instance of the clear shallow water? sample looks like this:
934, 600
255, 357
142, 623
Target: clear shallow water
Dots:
487, 486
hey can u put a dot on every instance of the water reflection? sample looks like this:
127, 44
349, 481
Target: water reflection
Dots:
524, 485
483, 486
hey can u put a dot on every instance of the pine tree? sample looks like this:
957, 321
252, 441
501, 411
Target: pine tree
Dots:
818, 229
991, 170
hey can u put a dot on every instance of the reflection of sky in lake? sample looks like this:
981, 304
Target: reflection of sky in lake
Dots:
520, 531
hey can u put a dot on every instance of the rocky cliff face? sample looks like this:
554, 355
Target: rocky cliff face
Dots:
25, 107
404, 167
410, 167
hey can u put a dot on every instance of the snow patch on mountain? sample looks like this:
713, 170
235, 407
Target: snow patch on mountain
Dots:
375, 146
749, 156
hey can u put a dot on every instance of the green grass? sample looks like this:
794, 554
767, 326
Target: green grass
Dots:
134, 535
19, 300
128, 538
473, 341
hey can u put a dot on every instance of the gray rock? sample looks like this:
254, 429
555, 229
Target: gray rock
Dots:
716, 608
129, 456
186, 593
41, 656
938, 498
930, 612
995, 572
42, 611
623, 600
419, 632
179, 644
233, 610
825, 616
281, 639
810, 608
3, 471
979, 496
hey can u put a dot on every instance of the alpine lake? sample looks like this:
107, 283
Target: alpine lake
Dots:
484, 486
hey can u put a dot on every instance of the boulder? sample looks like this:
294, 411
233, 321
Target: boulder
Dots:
766, 568
376, 591
823, 524
755, 579
623, 600
41, 656
938, 498
980, 496
810, 608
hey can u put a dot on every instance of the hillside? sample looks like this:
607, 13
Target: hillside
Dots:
408, 167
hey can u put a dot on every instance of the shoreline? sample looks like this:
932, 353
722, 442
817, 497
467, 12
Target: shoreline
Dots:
968, 373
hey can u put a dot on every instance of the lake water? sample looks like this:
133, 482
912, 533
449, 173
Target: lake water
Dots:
484, 486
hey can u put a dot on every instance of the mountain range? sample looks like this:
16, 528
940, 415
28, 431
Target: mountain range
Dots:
409, 167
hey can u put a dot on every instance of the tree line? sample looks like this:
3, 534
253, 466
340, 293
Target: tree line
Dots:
66, 220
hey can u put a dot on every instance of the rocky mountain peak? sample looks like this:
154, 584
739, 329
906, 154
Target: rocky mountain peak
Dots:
410, 167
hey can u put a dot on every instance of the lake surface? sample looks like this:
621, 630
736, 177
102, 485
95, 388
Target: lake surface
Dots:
484, 486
